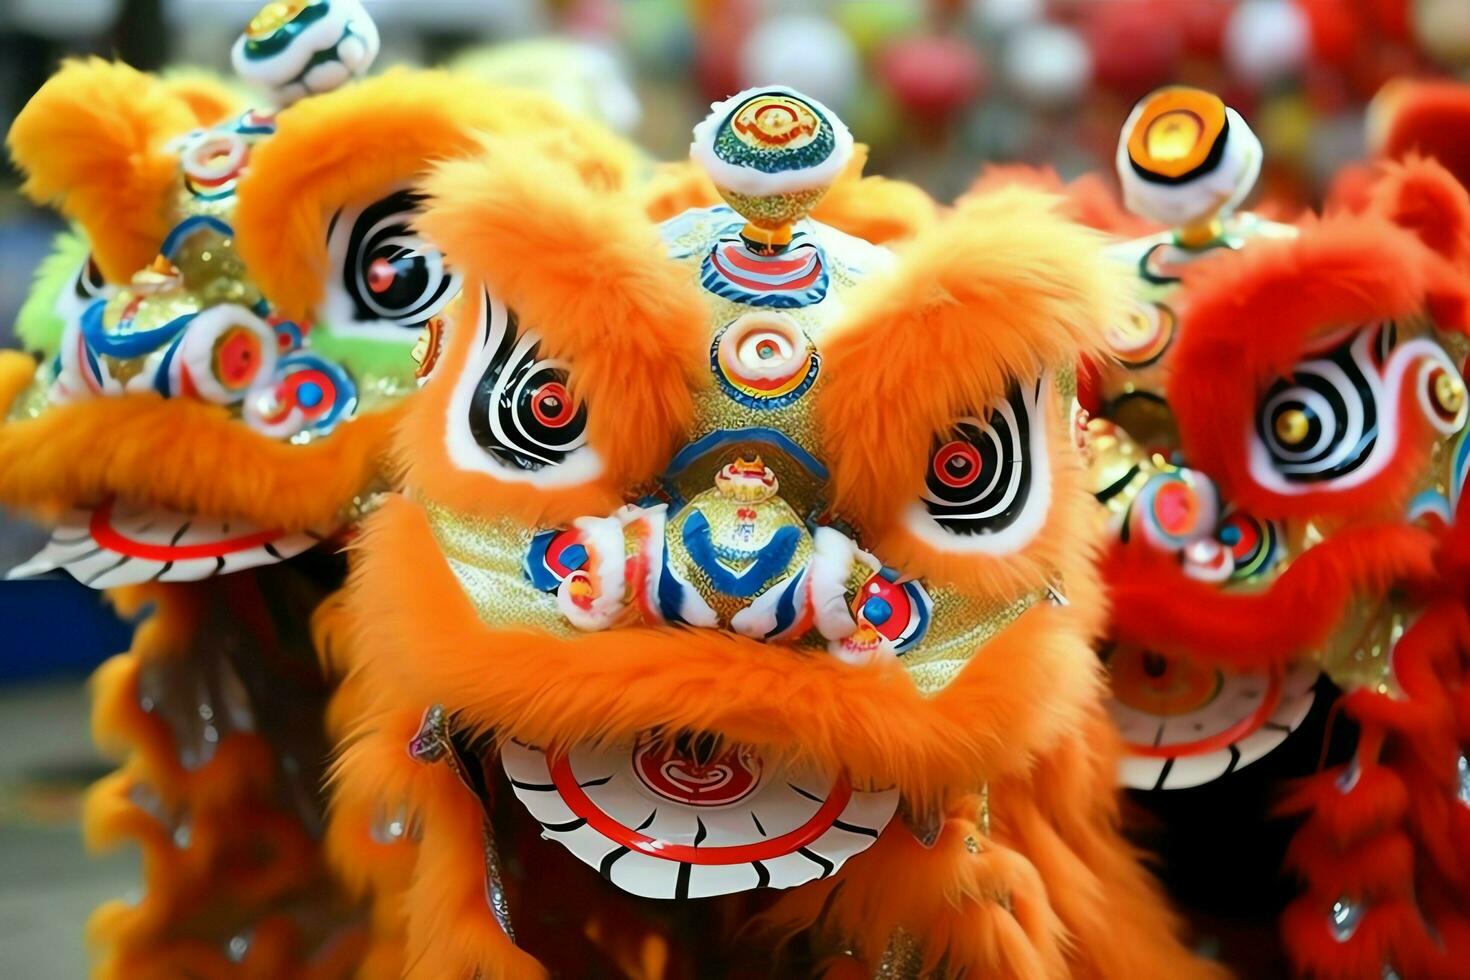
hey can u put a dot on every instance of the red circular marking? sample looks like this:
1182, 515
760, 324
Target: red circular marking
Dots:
1176, 507
1220, 740
238, 358
578, 802
381, 275
721, 781
102, 531
1249, 536
957, 464
552, 405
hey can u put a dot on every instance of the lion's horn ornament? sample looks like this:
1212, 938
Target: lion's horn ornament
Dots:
296, 48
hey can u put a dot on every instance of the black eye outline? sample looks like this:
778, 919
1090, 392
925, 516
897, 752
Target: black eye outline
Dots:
1332, 402
382, 233
89, 284
509, 413
979, 477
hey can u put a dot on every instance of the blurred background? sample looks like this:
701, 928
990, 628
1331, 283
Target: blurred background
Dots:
936, 88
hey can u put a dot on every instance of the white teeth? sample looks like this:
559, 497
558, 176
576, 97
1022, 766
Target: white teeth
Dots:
1180, 753
661, 824
116, 545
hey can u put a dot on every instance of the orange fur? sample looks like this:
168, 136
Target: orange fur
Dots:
91, 141
1001, 291
176, 453
1052, 891
599, 293
349, 145
1022, 692
211, 99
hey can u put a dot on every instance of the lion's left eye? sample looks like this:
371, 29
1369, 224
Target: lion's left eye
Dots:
987, 484
1322, 422
390, 277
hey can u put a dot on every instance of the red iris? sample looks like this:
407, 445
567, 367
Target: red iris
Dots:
381, 275
957, 464
552, 405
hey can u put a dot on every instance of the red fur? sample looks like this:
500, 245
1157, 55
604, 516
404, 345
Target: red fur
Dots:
1431, 119
1155, 605
1249, 317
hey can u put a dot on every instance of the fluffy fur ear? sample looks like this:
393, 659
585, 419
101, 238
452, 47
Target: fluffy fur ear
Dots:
1429, 119
877, 209
364, 140
1001, 291
583, 269
1422, 196
210, 98
91, 142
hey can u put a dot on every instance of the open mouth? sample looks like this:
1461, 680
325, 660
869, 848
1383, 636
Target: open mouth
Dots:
117, 543
671, 818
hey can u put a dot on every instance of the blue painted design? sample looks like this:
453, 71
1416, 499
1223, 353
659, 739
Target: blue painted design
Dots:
877, 610
756, 433
346, 390
1459, 466
786, 606
775, 297
133, 344
670, 594
920, 605
537, 571
162, 379
772, 560
309, 395
1430, 502
187, 228
574, 556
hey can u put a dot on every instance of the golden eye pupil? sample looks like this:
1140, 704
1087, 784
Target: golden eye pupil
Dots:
1449, 392
1173, 135
1292, 426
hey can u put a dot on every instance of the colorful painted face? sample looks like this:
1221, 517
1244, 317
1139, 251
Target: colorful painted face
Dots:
1324, 397
267, 328
687, 455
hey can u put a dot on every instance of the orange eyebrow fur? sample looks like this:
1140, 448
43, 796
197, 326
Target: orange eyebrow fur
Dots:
596, 287
365, 139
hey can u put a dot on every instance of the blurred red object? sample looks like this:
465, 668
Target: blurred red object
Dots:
931, 77
1136, 46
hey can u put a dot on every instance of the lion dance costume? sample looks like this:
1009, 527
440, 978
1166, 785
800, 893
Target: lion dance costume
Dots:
741, 576
1282, 448
222, 359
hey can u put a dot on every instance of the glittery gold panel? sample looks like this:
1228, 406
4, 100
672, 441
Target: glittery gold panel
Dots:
34, 400
1360, 652
902, 960
731, 523
486, 556
848, 260
774, 210
961, 626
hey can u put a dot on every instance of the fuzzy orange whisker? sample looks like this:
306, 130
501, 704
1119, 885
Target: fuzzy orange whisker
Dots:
188, 456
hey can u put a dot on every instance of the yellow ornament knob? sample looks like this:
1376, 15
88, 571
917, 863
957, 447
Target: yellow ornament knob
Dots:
772, 153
